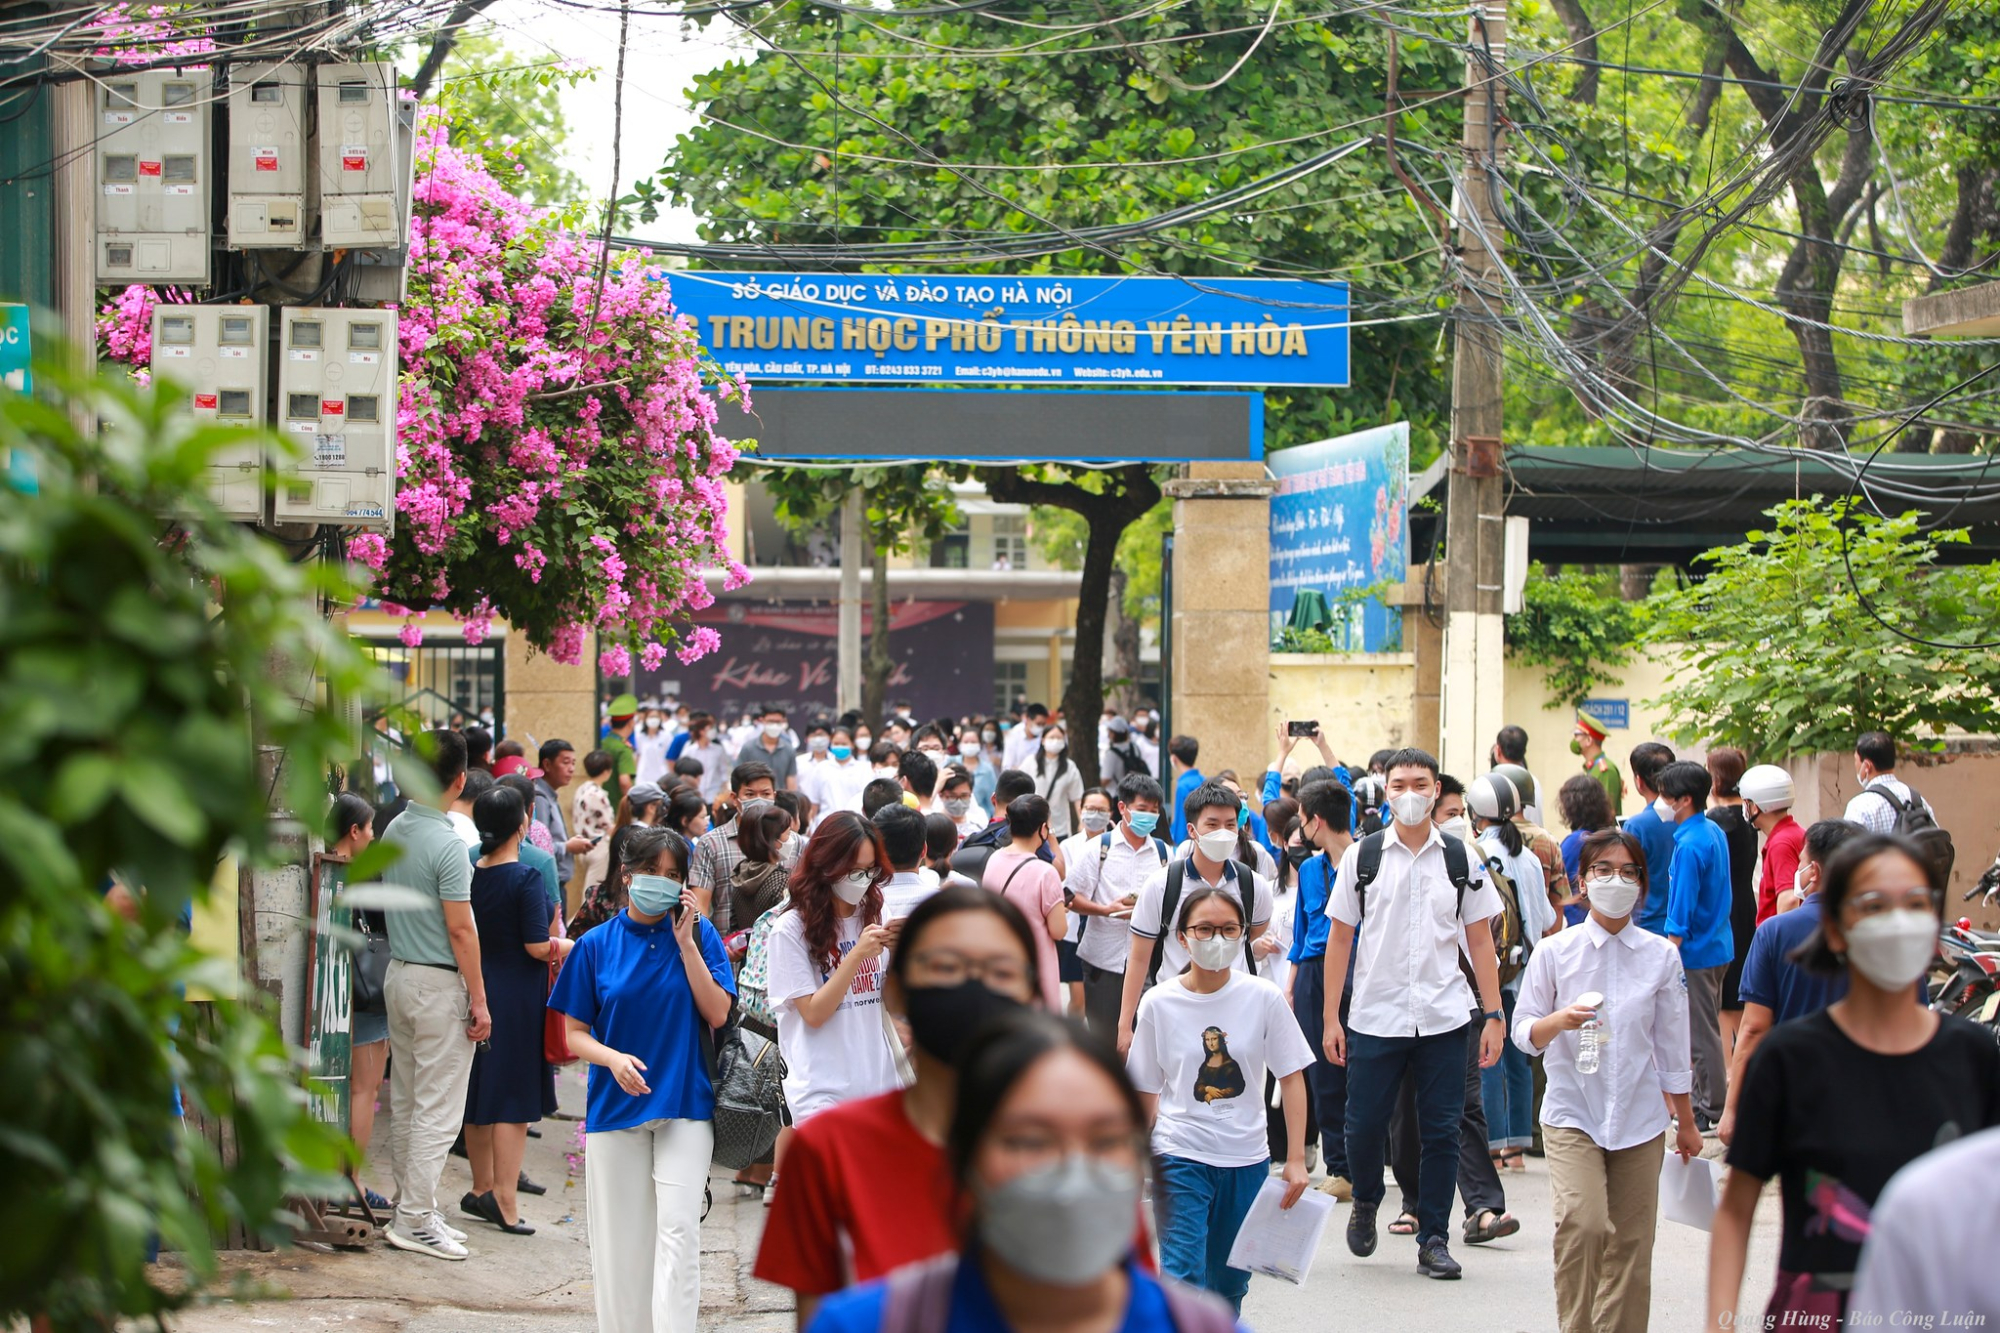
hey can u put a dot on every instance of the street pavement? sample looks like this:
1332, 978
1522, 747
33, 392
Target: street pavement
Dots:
542, 1283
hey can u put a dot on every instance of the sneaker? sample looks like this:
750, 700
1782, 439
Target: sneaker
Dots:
1340, 1187
1361, 1229
424, 1239
1434, 1260
437, 1223
1312, 1158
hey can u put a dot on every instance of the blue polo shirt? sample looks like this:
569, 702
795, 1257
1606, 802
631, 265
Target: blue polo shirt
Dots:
1183, 788
1699, 899
628, 982
1656, 840
1782, 986
1309, 932
861, 1309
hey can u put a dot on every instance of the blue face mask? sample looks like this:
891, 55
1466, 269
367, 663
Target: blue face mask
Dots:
1242, 815
654, 895
841, 751
1143, 822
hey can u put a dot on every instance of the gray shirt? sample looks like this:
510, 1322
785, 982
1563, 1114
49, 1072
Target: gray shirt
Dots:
433, 863
548, 809
783, 761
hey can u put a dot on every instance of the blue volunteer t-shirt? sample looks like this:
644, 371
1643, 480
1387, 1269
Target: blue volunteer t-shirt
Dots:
628, 982
1656, 840
973, 1309
1785, 988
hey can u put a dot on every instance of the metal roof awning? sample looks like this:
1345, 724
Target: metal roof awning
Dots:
822, 584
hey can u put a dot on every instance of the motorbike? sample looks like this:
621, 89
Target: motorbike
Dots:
1966, 981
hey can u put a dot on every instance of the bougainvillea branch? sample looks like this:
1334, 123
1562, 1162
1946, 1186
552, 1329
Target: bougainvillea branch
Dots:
569, 482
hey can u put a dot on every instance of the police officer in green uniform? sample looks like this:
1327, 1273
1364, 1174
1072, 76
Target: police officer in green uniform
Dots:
1587, 739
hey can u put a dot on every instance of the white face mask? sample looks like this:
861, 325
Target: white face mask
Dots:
1052, 745
1799, 881
1219, 845
1893, 949
774, 729
1096, 821
970, 749
1664, 809
1457, 827
852, 887
1412, 807
1614, 898
817, 744
1215, 955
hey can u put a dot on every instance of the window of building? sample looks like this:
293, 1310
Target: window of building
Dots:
952, 551
1010, 682
1010, 541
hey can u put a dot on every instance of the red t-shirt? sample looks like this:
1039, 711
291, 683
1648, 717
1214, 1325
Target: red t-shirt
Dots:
862, 1193
1782, 851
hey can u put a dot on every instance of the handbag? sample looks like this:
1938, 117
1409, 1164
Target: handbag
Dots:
749, 1079
555, 1023
371, 969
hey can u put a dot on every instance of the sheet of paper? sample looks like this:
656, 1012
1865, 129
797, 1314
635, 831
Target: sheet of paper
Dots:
1281, 1242
1689, 1191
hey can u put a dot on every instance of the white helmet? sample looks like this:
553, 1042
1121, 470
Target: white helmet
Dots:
1493, 796
1767, 786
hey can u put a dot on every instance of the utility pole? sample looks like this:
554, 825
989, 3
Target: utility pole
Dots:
853, 518
1474, 643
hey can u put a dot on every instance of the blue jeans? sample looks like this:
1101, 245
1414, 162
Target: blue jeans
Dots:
1508, 1090
1326, 1082
1199, 1209
1375, 1069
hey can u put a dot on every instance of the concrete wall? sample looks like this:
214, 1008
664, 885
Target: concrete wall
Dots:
546, 700
1961, 788
1362, 701
1549, 759
1221, 622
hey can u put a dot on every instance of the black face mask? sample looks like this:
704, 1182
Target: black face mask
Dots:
1298, 856
943, 1019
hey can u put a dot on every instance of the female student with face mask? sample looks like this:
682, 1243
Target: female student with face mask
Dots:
1837, 1102
1058, 781
1604, 1129
1048, 1144
866, 1185
637, 992
1200, 1048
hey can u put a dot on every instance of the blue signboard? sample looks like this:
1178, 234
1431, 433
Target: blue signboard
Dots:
1340, 524
1613, 713
17, 376
974, 329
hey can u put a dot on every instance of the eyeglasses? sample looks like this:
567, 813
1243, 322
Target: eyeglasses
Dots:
1915, 898
1232, 931
1601, 874
948, 967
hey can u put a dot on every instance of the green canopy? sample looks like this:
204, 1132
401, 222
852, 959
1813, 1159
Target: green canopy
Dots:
1309, 611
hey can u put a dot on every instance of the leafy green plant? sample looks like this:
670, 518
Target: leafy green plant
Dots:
1785, 659
149, 650
1578, 627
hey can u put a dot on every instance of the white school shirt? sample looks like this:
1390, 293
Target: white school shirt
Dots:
1214, 1114
1106, 875
1922, 1262
651, 748
1406, 977
1872, 810
1146, 913
905, 889
1644, 1050
847, 1056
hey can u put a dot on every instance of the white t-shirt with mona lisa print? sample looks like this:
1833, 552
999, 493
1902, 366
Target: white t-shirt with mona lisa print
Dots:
1205, 1056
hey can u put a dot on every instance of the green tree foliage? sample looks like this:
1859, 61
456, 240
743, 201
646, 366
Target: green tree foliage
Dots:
148, 649
1576, 625
1785, 658
510, 108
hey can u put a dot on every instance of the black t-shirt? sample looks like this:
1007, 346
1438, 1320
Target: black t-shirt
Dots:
1835, 1121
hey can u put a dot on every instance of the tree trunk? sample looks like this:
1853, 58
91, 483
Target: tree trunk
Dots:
1124, 650
875, 676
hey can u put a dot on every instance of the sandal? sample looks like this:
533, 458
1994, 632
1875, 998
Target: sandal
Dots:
1513, 1159
1488, 1225
1404, 1225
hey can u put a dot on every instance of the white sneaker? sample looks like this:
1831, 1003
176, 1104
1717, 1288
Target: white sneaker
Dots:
437, 1223
424, 1240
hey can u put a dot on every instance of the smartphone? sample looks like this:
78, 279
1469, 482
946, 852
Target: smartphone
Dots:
1302, 729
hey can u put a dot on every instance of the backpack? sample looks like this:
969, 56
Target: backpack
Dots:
1915, 821
918, 1300
748, 1075
1368, 864
1511, 945
1103, 852
1246, 888
753, 981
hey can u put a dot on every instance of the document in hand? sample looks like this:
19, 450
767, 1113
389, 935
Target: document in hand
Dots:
1281, 1242
1689, 1191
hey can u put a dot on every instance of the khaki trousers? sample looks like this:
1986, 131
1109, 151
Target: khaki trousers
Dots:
1607, 1208
431, 1066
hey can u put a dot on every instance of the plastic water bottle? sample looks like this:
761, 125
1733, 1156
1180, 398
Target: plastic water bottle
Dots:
1589, 1037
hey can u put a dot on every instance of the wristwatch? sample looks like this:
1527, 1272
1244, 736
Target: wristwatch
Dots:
1494, 1016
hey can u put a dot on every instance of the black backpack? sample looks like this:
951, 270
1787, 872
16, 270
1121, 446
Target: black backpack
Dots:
1368, 864
1246, 888
1915, 821
1103, 853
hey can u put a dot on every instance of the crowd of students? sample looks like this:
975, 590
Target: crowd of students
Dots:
1339, 970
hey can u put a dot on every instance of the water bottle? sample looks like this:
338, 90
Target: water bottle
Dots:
1589, 1037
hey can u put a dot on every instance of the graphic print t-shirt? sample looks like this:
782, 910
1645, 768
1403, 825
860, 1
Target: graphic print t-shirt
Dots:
1205, 1056
1835, 1121
846, 1057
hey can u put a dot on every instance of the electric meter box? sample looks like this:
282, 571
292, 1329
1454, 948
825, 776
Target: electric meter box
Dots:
361, 168
268, 166
152, 154
337, 402
219, 354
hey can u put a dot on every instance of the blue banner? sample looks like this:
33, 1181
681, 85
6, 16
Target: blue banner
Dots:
851, 328
1340, 524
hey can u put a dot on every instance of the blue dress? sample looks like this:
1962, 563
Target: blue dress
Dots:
511, 1083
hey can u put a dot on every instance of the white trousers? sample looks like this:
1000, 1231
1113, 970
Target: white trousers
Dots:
431, 1068
642, 1192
